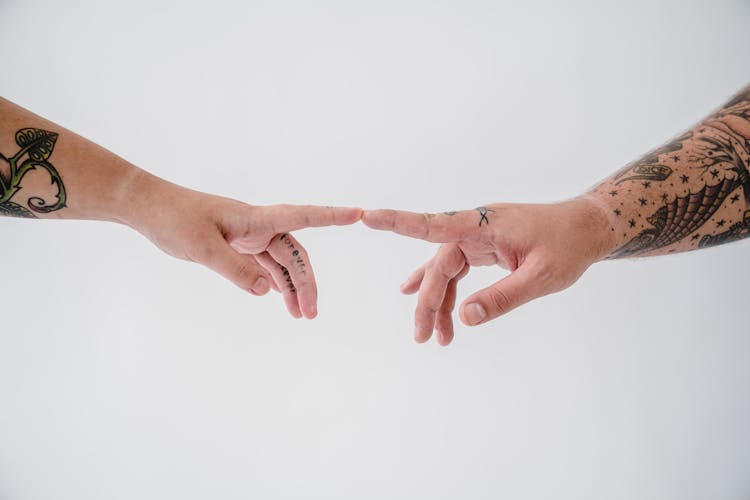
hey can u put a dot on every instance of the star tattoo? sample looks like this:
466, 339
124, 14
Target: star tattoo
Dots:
631, 222
735, 198
684, 178
721, 223
642, 201
613, 192
714, 174
618, 212
646, 184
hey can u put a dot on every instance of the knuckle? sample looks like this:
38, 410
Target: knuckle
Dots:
500, 301
246, 271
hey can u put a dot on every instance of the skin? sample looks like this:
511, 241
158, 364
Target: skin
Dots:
693, 192
249, 245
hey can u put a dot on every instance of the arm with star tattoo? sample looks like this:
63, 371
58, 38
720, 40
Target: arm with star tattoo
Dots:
693, 192
49, 172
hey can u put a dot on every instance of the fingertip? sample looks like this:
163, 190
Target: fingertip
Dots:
375, 219
444, 339
311, 312
472, 313
422, 335
260, 287
347, 215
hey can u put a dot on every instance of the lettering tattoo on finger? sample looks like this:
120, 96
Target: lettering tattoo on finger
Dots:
288, 279
297, 259
483, 212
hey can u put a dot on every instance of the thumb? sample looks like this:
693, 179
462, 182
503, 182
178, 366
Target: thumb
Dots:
241, 269
521, 286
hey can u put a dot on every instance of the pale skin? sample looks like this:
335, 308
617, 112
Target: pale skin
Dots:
249, 245
692, 193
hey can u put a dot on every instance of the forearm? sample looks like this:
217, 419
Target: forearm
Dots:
691, 193
49, 172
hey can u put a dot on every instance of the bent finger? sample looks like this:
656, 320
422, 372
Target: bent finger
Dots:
288, 252
412, 283
446, 265
280, 275
444, 322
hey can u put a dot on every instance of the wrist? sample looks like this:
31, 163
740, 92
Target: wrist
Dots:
592, 219
137, 199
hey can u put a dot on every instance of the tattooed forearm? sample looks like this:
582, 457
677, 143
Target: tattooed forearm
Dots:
694, 192
35, 148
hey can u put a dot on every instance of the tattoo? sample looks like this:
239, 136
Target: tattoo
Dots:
483, 211
451, 213
298, 261
288, 279
714, 168
649, 167
736, 231
36, 148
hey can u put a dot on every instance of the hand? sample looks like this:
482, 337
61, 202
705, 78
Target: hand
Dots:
249, 245
546, 248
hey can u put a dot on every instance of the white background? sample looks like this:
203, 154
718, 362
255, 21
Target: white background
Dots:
126, 374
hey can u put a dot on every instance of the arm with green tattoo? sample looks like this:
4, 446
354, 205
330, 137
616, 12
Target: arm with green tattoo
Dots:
691, 193
49, 172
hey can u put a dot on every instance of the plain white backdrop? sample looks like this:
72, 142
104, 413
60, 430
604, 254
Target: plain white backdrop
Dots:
127, 374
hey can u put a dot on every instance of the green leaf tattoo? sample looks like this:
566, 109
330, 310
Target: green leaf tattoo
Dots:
36, 148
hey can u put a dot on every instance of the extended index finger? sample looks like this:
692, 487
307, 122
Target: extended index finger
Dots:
437, 228
285, 218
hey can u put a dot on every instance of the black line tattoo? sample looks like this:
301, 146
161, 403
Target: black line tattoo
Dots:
288, 279
36, 148
717, 155
649, 167
483, 212
298, 261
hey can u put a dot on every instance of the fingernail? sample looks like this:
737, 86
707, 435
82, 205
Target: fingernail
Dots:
475, 313
260, 286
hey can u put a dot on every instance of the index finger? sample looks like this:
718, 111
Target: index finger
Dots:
285, 218
446, 227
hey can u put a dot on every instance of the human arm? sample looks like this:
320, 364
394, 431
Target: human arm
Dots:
694, 192
47, 171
